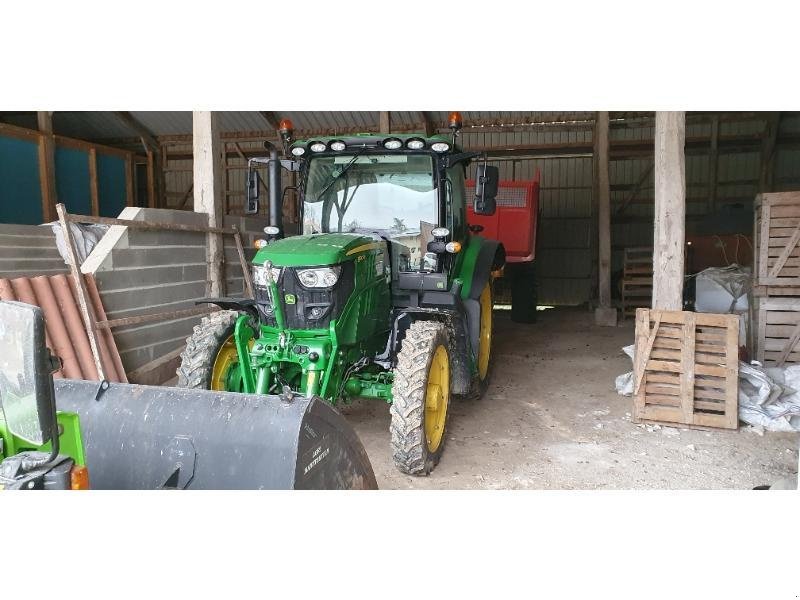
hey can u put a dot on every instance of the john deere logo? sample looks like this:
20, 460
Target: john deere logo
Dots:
440, 285
290, 298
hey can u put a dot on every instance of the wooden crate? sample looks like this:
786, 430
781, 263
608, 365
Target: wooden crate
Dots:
776, 236
637, 280
686, 368
777, 330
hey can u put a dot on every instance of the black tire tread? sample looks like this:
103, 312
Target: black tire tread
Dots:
409, 446
202, 347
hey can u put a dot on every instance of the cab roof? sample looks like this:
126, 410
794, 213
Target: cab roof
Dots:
358, 140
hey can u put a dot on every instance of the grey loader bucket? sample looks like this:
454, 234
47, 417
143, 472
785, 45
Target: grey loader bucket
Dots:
145, 437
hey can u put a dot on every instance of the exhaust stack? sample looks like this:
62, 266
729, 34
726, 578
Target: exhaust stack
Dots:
275, 188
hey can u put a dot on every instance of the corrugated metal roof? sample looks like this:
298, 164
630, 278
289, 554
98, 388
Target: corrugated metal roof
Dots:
98, 125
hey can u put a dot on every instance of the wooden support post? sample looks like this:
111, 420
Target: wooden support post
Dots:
605, 314
713, 163
670, 211
94, 191
47, 165
385, 122
206, 148
87, 310
226, 204
246, 274
771, 126
151, 180
129, 183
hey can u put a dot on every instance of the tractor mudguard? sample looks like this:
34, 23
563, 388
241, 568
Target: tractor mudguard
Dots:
146, 437
246, 305
492, 256
456, 320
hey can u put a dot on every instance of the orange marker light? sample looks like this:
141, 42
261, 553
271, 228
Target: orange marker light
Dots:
453, 247
286, 130
286, 126
79, 478
454, 121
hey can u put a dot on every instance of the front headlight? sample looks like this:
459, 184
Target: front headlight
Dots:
260, 275
323, 277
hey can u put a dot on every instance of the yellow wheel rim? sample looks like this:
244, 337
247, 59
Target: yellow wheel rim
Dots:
226, 358
437, 397
485, 335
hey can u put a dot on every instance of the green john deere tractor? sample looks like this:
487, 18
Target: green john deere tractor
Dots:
385, 295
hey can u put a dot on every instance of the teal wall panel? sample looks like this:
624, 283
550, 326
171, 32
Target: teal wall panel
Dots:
20, 192
111, 184
72, 180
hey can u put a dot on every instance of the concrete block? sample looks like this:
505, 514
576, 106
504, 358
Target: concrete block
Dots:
43, 231
166, 238
605, 317
147, 257
153, 298
143, 310
125, 279
153, 333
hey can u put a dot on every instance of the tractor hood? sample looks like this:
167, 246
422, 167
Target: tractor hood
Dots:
312, 250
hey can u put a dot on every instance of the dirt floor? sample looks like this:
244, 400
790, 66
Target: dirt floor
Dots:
552, 419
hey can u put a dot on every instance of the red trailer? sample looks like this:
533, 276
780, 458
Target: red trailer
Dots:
515, 224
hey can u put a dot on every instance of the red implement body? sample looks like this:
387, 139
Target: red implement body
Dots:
514, 222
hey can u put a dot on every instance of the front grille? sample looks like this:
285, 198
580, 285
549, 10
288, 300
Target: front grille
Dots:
298, 315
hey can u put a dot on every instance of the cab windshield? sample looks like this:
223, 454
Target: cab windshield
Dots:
391, 195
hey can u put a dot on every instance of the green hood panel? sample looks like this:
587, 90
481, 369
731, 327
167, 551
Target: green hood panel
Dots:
312, 250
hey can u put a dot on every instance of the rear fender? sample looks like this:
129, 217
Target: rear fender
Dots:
482, 257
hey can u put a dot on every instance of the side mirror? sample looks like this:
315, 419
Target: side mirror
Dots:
487, 180
251, 207
26, 373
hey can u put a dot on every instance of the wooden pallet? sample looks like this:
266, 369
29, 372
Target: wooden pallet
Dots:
637, 280
777, 331
770, 291
777, 239
686, 368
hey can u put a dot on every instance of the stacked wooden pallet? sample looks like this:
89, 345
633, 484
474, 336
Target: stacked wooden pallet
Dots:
637, 280
776, 288
686, 368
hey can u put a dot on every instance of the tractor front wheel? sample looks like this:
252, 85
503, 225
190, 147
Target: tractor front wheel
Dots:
210, 360
421, 398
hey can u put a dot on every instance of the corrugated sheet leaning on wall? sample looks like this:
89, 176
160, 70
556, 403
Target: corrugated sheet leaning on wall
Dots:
65, 331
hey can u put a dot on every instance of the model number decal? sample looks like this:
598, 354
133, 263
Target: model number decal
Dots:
318, 456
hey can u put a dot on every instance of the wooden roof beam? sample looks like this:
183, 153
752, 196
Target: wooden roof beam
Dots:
427, 122
147, 137
271, 118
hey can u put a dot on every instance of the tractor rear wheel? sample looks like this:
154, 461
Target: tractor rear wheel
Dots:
485, 340
210, 360
421, 398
